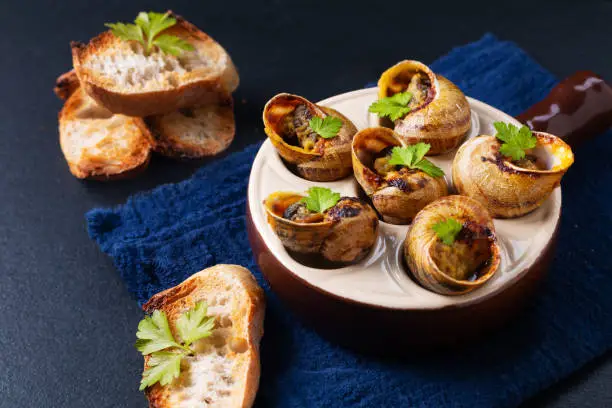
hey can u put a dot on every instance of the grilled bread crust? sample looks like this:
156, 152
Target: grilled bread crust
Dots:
120, 77
189, 133
100, 145
194, 133
225, 370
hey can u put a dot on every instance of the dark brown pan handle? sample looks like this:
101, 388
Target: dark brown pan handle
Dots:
577, 109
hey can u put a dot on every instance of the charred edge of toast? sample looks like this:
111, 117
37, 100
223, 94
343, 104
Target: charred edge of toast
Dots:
66, 84
160, 300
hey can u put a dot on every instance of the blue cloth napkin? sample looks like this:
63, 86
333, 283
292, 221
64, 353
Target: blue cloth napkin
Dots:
159, 238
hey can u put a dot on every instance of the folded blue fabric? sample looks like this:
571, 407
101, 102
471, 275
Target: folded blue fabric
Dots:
159, 238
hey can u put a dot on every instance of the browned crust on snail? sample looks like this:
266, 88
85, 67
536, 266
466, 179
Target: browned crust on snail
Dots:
444, 117
421, 238
330, 160
480, 171
345, 235
397, 199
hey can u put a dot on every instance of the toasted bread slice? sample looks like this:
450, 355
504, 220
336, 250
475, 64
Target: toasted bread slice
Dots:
66, 84
194, 132
120, 77
100, 145
187, 133
225, 370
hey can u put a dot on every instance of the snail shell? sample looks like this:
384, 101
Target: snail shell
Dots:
505, 188
345, 233
450, 270
325, 159
398, 198
440, 116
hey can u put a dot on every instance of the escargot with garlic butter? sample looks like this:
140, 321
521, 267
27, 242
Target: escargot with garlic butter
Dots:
451, 247
434, 111
320, 153
511, 186
340, 229
398, 189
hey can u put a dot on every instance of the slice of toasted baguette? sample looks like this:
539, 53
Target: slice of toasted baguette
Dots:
187, 133
194, 132
66, 84
100, 145
120, 77
224, 372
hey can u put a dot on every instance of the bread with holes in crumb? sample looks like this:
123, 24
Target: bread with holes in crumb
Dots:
98, 144
224, 372
194, 132
120, 77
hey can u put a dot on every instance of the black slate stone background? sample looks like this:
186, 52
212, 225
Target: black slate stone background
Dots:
67, 323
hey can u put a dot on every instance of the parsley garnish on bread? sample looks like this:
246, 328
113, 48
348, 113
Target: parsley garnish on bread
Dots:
159, 64
220, 365
146, 30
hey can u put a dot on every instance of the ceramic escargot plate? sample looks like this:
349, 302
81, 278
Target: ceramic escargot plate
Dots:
382, 279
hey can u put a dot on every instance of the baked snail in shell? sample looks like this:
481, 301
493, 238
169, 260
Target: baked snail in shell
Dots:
287, 122
510, 188
341, 233
451, 248
439, 113
397, 192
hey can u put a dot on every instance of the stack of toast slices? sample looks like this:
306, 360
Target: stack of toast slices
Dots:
122, 104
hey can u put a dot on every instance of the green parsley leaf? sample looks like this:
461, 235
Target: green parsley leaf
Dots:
146, 30
195, 324
447, 230
154, 23
154, 334
127, 32
327, 127
413, 157
394, 106
402, 156
429, 168
516, 140
320, 199
172, 45
162, 367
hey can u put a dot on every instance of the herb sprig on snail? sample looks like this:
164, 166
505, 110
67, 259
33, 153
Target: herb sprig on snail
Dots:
516, 140
451, 247
314, 140
447, 230
421, 106
340, 229
393, 107
327, 127
320, 199
513, 172
413, 157
397, 177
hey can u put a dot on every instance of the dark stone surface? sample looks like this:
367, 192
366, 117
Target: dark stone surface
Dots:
67, 323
